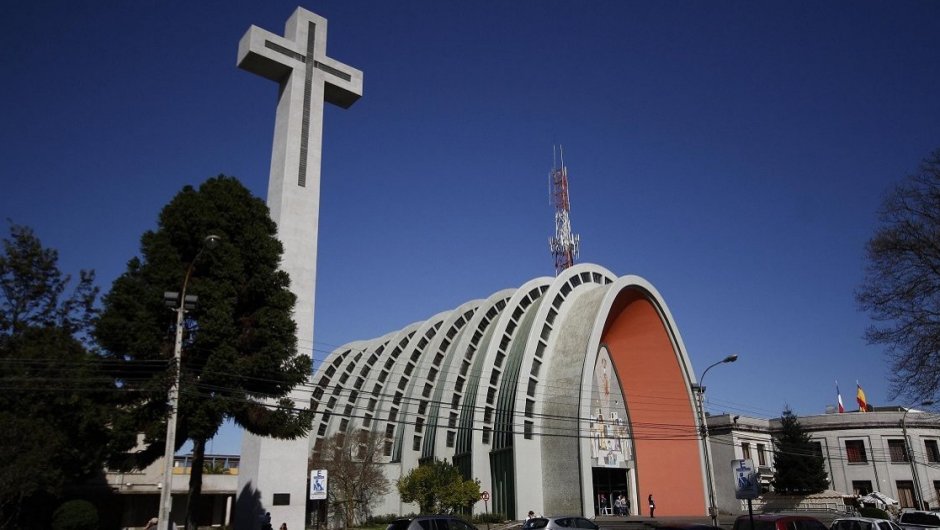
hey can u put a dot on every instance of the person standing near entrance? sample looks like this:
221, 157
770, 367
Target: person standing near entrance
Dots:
652, 506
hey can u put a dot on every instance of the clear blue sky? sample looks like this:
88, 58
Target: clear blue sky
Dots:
733, 153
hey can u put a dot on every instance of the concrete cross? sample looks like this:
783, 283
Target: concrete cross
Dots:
272, 474
299, 63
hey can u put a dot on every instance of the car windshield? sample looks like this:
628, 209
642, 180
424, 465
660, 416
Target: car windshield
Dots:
809, 524
535, 522
745, 524
453, 524
580, 522
851, 525
400, 524
923, 518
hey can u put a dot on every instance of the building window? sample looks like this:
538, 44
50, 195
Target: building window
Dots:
855, 451
746, 450
933, 453
816, 448
761, 456
861, 487
897, 450
905, 493
281, 499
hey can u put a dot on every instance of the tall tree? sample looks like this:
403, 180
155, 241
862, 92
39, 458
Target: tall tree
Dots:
438, 487
354, 472
901, 290
239, 358
799, 467
56, 401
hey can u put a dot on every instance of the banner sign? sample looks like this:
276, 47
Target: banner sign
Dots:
317, 484
746, 482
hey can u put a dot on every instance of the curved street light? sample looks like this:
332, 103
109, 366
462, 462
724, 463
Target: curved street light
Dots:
703, 430
180, 303
918, 498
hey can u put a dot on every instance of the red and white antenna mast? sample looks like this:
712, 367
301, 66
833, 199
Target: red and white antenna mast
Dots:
565, 244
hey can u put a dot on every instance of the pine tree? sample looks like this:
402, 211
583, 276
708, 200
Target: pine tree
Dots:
799, 467
239, 358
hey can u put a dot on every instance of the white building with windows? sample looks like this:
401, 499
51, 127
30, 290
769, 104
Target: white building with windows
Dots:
864, 452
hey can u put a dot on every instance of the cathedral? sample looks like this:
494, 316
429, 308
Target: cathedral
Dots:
558, 396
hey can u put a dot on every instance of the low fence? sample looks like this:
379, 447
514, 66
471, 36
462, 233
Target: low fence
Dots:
798, 503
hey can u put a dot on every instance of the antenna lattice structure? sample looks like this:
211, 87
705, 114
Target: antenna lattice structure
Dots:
565, 244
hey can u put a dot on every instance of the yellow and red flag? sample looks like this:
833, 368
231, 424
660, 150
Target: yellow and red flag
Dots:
860, 397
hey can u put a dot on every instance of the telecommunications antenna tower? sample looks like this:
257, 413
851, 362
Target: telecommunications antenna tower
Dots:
565, 244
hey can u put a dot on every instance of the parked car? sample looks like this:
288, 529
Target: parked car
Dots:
919, 520
776, 521
558, 522
863, 523
684, 526
430, 522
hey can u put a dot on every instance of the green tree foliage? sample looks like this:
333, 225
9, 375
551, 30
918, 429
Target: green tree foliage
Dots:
75, 515
901, 290
799, 467
56, 401
438, 487
239, 357
356, 480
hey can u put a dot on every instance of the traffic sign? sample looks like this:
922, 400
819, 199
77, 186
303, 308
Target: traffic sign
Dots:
485, 496
746, 482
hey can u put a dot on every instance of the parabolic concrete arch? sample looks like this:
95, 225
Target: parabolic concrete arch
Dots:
579, 382
636, 330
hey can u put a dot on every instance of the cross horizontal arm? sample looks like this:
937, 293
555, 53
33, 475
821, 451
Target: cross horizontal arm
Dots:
266, 54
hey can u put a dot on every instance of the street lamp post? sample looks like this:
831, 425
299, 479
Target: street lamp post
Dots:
181, 302
910, 454
703, 430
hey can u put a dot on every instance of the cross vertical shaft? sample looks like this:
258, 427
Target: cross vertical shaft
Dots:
307, 78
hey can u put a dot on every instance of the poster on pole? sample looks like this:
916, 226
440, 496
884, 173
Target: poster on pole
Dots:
746, 482
317, 484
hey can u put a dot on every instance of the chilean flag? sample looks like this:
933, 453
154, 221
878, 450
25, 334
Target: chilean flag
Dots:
839, 395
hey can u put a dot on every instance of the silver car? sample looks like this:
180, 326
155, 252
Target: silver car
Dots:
863, 523
559, 522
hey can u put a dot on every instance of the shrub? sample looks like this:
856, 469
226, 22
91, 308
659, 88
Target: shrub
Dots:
874, 513
377, 520
483, 518
75, 515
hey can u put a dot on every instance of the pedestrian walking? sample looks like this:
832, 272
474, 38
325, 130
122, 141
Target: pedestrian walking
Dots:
652, 506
